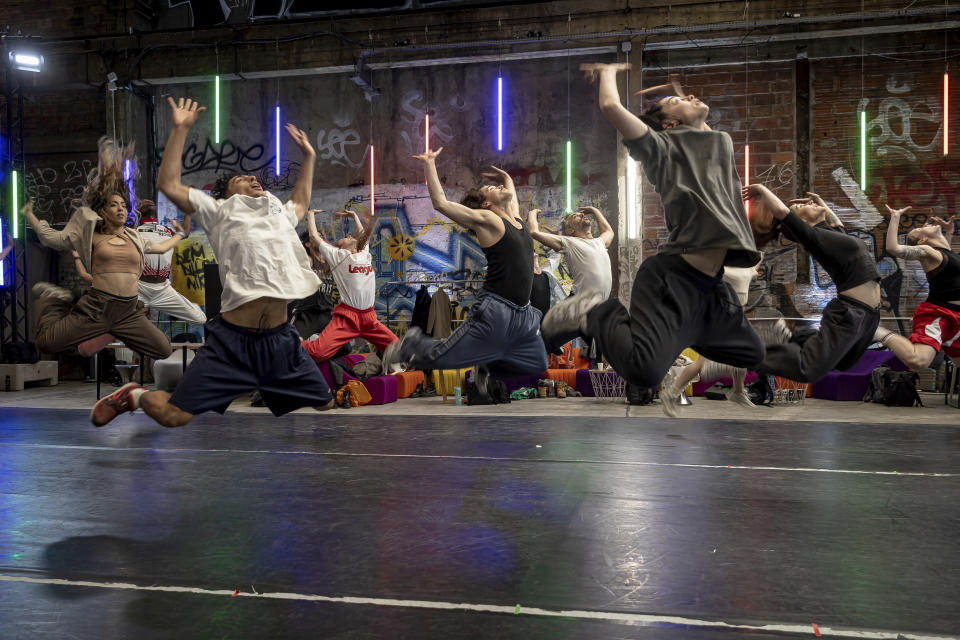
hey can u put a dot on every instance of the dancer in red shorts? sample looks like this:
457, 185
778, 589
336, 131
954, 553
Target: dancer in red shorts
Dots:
352, 267
936, 321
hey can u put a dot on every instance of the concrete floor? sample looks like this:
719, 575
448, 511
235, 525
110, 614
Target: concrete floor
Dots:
80, 395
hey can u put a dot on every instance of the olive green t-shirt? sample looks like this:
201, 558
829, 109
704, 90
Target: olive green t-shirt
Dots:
694, 173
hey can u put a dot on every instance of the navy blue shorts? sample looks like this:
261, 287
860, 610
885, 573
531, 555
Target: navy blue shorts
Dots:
236, 361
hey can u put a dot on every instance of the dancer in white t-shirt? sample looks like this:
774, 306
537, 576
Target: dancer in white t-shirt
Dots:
586, 255
154, 289
352, 267
251, 345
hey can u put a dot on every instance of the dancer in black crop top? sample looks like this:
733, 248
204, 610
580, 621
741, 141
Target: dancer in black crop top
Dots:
501, 336
936, 321
849, 320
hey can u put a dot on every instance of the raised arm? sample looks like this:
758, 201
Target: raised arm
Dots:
629, 125
606, 231
831, 218
364, 226
48, 236
546, 239
472, 219
81, 270
928, 257
502, 177
303, 189
184, 114
182, 231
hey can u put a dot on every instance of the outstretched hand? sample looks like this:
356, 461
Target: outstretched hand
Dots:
755, 192
27, 209
500, 177
592, 70
944, 224
897, 212
429, 155
300, 139
184, 112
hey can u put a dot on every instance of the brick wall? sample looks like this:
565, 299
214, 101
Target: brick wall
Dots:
905, 163
62, 18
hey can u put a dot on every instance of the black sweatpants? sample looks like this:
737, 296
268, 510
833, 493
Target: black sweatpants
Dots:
846, 330
673, 306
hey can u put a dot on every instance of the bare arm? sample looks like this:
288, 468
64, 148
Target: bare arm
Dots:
470, 218
629, 125
184, 114
172, 241
546, 239
81, 270
831, 217
364, 227
315, 237
303, 189
768, 199
928, 257
606, 231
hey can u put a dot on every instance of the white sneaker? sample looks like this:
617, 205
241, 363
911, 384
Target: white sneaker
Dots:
741, 398
669, 394
50, 290
781, 332
570, 316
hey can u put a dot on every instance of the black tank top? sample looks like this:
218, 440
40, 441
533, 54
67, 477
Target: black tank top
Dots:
945, 279
510, 264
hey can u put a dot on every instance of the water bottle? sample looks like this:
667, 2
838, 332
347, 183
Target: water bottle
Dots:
456, 396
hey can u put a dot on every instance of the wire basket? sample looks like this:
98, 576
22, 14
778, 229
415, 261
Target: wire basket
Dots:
607, 384
788, 391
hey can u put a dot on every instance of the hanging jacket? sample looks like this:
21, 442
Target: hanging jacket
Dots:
438, 323
421, 309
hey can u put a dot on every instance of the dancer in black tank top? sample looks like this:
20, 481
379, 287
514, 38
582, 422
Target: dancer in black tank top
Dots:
501, 336
936, 321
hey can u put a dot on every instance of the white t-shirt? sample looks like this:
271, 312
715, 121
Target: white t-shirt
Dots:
588, 263
156, 264
353, 272
257, 247
739, 278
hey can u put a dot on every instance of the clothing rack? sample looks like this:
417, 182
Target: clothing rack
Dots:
425, 283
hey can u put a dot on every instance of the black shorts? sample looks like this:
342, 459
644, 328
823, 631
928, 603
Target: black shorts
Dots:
236, 361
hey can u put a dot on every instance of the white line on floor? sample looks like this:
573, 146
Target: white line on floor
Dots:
519, 609
631, 463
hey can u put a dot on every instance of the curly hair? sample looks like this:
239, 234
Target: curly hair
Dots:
653, 115
106, 179
473, 198
222, 184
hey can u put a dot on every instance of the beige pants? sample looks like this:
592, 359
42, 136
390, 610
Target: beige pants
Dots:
61, 325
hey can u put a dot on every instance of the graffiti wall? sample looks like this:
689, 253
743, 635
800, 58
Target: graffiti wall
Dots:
343, 127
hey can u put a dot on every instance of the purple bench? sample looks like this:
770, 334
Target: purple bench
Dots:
383, 389
852, 384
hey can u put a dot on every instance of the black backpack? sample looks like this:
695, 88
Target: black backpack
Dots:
893, 388
498, 393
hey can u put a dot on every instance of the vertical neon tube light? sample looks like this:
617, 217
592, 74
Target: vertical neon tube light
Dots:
2, 281
500, 113
16, 204
426, 132
373, 184
276, 133
631, 198
746, 173
569, 176
216, 110
863, 151
946, 113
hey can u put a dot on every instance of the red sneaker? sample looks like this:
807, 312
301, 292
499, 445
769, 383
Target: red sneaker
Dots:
109, 407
